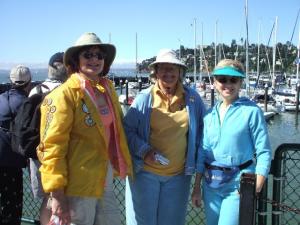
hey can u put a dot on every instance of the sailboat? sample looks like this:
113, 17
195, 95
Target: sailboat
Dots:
288, 97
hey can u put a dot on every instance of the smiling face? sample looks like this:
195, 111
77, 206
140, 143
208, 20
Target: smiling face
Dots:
167, 75
91, 62
228, 87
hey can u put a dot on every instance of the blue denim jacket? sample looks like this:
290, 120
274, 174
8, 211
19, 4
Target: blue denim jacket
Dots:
137, 127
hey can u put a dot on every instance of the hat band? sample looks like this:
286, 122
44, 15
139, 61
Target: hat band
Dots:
228, 71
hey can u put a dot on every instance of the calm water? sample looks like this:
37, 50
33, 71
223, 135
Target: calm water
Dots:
284, 128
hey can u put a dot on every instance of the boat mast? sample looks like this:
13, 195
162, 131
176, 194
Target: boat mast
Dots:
136, 56
298, 58
247, 54
274, 53
200, 54
258, 51
195, 51
216, 40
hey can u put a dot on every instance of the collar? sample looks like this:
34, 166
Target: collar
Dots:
179, 93
89, 82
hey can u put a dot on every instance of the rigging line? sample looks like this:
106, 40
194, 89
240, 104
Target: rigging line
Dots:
205, 64
271, 34
267, 51
280, 58
295, 25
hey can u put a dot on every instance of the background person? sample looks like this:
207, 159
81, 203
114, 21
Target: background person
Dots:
234, 131
82, 139
11, 163
164, 119
57, 74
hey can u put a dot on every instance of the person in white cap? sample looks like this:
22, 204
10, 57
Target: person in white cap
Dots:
11, 163
164, 129
83, 143
57, 74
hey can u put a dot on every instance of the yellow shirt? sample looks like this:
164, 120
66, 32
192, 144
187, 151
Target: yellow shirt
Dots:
168, 134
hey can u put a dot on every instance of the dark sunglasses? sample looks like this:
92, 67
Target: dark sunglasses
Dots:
226, 79
98, 55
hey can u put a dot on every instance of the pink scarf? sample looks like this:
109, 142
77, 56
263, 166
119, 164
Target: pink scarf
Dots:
114, 150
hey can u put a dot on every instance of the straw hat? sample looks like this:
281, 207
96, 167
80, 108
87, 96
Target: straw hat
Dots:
91, 39
20, 75
167, 56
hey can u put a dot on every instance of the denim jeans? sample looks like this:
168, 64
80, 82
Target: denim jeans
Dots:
160, 200
222, 204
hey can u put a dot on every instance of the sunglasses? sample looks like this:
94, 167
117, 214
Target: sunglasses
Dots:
98, 55
226, 79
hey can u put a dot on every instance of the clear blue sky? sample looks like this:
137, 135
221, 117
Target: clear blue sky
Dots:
32, 30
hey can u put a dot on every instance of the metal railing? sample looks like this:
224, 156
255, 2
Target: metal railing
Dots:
282, 190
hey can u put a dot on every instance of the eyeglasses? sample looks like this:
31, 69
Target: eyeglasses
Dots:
227, 79
98, 55
165, 69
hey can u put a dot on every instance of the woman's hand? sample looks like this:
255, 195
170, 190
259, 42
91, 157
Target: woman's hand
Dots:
260, 180
150, 157
196, 194
60, 207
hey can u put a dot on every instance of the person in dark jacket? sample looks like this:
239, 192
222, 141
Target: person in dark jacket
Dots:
57, 74
11, 164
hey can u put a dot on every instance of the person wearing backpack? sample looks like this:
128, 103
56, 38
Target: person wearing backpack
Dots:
57, 74
83, 144
11, 163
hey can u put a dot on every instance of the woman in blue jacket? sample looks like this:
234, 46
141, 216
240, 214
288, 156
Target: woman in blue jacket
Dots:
164, 129
234, 133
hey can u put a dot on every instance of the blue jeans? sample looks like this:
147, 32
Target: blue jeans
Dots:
160, 200
222, 204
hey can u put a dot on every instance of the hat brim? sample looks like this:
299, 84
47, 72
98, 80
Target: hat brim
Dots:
178, 63
109, 50
228, 71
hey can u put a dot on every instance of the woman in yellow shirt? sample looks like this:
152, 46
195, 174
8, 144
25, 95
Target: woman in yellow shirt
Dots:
163, 128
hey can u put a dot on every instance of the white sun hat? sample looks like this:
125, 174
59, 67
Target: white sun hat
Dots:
167, 56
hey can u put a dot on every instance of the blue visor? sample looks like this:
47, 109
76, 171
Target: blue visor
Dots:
228, 71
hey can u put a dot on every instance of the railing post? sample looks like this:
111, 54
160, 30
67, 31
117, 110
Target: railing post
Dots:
262, 205
277, 179
121, 86
140, 84
266, 98
297, 98
212, 96
126, 90
247, 199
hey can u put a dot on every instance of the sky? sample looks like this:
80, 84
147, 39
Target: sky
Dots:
33, 30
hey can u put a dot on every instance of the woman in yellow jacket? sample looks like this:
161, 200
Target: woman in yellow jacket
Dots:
82, 139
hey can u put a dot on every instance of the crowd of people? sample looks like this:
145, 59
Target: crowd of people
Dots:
166, 137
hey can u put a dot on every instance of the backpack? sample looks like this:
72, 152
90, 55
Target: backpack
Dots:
25, 128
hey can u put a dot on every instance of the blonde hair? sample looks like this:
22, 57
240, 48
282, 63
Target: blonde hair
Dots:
230, 62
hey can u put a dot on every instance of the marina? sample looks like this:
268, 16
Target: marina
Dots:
283, 127
266, 42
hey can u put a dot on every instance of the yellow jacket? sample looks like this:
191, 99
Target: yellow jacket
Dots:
73, 148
